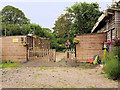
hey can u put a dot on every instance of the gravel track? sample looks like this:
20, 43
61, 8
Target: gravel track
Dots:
55, 77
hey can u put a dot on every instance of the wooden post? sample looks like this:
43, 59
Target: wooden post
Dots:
55, 55
5, 29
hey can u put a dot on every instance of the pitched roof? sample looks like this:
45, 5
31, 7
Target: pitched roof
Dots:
102, 18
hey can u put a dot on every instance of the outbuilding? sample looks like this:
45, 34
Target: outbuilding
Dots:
106, 28
15, 48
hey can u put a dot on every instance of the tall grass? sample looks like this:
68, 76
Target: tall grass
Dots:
112, 63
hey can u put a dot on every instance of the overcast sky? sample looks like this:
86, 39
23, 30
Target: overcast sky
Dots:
45, 12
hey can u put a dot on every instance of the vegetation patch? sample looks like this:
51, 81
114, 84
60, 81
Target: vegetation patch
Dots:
61, 60
54, 71
43, 68
102, 73
37, 75
43, 85
91, 87
9, 64
112, 64
73, 87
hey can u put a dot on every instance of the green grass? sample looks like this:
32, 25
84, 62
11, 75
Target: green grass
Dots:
43, 68
58, 81
95, 70
73, 87
61, 60
43, 85
60, 51
9, 64
60, 78
84, 67
54, 71
37, 75
90, 73
91, 87
102, 73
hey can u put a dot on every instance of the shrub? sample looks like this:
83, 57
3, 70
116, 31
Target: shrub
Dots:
112, 64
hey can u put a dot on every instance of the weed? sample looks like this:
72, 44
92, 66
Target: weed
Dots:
43, 68
5, 71
54, 71
43, 85
38, 86
95, 70
60, 78
112, 63
84, 67
37, 75
50, 85
9, 64
1, 77
102, 73
64, 70
90, 73
61, 60
65, 84
18, 84
59, 81
91, 87
73, 87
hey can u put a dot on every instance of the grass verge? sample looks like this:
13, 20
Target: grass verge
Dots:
9, 64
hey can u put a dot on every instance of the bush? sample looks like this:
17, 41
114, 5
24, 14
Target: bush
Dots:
112, 64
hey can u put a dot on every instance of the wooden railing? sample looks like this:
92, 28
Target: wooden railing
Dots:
45, 55
70, 55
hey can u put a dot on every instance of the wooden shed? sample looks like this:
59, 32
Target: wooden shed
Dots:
14, 50
109, 22
89, 45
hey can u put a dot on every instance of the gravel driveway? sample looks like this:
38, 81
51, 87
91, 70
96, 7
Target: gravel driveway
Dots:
55, 77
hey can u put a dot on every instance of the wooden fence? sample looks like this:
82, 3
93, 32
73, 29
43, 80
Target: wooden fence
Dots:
43, 55
70, 56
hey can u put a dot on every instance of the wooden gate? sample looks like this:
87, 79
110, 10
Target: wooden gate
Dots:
43, 55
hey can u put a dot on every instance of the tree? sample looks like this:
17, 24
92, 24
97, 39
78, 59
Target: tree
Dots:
84, 16
116, 5
12, 15
62, 30
62, 26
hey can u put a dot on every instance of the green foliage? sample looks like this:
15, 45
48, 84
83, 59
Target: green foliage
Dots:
62, 31
61, 60
62, 26
80, 18
12, 15
116, 5
9, 64
84, 15
112, 66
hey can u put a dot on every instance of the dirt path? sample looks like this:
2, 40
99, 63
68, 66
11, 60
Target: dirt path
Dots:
55, 77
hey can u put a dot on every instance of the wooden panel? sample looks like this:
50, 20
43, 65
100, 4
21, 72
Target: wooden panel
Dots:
13, 51
89, 45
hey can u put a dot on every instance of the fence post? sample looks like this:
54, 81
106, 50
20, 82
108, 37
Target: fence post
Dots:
55, 55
